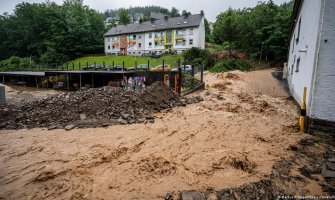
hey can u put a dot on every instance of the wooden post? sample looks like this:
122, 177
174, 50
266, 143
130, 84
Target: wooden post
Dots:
180, 80
80, 81
68, 81
163, 65
148, 64
202, 73
36, 82
122, 65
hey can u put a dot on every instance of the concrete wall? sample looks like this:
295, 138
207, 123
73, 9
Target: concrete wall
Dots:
323, 100
305, 50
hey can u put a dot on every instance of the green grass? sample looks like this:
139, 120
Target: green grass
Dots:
129, 61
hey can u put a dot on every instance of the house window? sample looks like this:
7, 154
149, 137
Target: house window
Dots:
113, 47
184, 43
150, 35
299, 30
109, 47
298, 65
156, 43
293, 43
139, 45
134, 36
191, 31
139, 36
191, 41
108, 39
292, 66
150, 44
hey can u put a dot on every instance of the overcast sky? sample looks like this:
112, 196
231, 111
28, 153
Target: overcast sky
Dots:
211, 7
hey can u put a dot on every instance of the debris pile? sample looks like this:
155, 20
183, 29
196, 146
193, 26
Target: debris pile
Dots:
91, 108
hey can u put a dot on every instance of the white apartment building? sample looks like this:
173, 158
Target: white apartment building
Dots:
156, 36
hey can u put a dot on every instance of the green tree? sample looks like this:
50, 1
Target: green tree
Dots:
207, 31
124, 17
174, 12
184, 13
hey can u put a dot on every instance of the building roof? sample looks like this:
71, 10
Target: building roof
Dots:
155, 25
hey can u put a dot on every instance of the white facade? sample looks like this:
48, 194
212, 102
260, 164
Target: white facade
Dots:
311, 61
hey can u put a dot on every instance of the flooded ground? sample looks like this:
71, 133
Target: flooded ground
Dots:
243, 130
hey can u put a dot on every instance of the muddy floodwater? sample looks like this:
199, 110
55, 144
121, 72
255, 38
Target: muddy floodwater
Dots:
245, 127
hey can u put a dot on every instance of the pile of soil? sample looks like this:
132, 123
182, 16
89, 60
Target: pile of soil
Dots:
91, 108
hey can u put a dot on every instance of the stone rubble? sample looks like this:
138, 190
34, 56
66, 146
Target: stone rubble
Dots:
92, 107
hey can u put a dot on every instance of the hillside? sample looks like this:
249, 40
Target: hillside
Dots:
129, 61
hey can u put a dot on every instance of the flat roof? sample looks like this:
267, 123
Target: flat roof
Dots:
24, 73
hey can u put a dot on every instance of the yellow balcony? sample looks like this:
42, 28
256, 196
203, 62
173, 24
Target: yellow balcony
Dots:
180, 37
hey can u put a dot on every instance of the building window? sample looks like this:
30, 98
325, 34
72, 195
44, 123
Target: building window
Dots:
191, 31
181, 32
293, 43
184, 43
113, 47
150, 44
139, 45
139, 36
108, 39
134, 36
299, 30
191, 41
109, 47
298, 65
156, 43
150, 35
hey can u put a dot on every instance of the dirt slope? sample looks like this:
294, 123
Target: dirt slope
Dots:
233, 137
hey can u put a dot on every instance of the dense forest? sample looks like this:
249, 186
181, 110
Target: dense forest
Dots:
48, 32
261, 31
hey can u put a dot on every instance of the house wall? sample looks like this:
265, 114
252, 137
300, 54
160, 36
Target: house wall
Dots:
305, 50
323, 100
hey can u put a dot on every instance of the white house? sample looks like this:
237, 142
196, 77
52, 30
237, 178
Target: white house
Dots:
156, 36
311, 60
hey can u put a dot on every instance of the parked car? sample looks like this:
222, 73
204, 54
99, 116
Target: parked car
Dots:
143, 67
119, 68
160, 68
130, 69
184, 68
89, 67
108, 68
99, 67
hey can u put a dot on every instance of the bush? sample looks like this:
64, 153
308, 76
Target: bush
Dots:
199, 56
14, 63
230, 64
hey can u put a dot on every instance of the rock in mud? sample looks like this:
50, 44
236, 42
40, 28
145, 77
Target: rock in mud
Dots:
122, 121
70, 127
192, 195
